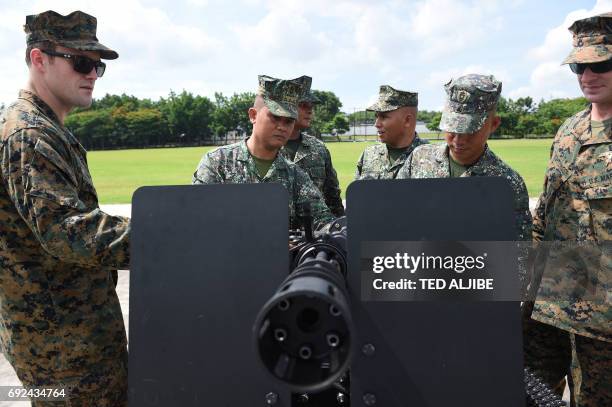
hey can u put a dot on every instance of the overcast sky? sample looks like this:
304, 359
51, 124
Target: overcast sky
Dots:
348, 46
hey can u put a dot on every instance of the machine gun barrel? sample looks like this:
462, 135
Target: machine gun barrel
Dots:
303, 333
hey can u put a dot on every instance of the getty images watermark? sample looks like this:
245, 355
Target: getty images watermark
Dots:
486, 271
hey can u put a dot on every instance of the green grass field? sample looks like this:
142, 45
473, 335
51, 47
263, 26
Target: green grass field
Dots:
117, 174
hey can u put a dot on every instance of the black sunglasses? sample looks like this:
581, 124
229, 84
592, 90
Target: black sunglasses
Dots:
81, 63
597, 67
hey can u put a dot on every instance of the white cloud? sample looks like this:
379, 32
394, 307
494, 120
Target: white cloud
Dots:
198, 3
548, 78
446, 27
271, 38
348, 46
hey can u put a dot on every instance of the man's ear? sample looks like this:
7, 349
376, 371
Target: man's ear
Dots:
37, 59
252, 115
408, 118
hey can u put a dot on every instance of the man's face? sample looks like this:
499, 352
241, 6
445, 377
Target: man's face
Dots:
71, 88
305, 115
391, 127
597, 87
271, 131
467, 148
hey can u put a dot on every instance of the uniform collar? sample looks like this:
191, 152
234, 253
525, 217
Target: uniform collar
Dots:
279, 163
588, 137
303, 148
34, 99
486, 160
46, 110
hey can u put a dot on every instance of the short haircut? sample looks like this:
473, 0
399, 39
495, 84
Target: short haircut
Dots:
42, 45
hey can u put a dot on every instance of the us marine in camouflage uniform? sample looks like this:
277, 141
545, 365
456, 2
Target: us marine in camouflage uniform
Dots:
576, 205
60, 324
257, 159
468, 119
396, 114
311, 154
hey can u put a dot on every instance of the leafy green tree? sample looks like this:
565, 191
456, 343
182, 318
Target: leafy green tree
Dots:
325, 111
338, 125
141, 127
188, 116
361, 117
93, 128
434, 122
551, 114
425, 116
231, 114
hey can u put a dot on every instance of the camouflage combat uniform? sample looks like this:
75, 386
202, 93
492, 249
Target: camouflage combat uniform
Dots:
432, 161
60, 320
470, 99
313, 157
576, 206
374, 162
233, 164
60, 323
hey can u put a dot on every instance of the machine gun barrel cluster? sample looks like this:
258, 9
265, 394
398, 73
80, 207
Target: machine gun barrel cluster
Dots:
303, 333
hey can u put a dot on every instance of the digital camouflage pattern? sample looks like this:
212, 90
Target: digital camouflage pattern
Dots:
592, 40
576, 205
233, 164
60, 319
280, 96
549, 352
374, 162
469, 100
314, 158
431, 161
391, 99
76, 30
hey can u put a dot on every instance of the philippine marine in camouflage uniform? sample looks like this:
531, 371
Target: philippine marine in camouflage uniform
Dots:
468, 119
60, 323
576, 205
396, 114
257, 159
311, 154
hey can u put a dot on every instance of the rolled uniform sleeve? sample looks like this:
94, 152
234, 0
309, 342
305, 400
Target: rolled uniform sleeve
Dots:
56, 201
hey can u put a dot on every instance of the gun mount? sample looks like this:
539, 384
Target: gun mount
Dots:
199, 279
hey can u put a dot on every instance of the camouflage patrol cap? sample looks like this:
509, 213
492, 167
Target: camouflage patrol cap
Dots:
280, 96
470, 98
307, 95
390, 99
592, 40
76, 30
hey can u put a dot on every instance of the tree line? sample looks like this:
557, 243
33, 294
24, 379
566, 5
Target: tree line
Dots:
181, 119
185, 119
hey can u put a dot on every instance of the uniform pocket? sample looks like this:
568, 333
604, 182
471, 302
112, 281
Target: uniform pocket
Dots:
600, 205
